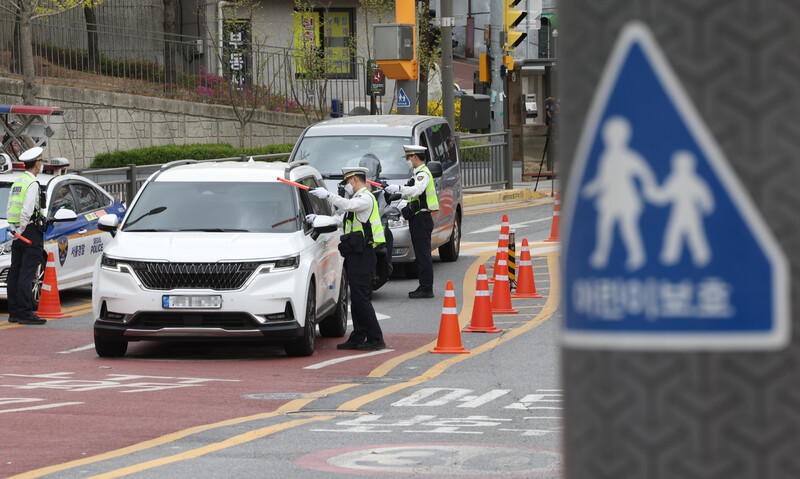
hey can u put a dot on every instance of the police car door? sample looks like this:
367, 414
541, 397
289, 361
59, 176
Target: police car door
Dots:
64, 239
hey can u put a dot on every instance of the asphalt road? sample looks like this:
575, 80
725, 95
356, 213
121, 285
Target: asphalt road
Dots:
246, 410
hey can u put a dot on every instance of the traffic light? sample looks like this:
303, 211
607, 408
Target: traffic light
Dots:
511, 19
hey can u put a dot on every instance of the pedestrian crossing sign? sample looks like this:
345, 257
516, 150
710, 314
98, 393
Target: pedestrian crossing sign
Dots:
664, 249
402, 99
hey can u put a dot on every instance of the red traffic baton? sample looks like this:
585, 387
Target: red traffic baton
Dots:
22, 238
374, 184
293, 183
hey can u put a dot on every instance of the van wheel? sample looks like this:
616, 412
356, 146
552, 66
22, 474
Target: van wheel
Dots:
109, 348
304, 345
335, 325
450, 250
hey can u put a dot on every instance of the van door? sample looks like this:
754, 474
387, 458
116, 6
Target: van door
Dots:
441, 147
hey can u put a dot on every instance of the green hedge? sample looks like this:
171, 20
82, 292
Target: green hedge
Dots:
155, 155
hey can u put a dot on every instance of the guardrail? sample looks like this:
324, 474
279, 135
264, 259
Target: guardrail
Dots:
481, 165
487, 164
124, 182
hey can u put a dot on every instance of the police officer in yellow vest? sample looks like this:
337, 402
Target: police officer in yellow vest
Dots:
25, 218
363, 234
422, 201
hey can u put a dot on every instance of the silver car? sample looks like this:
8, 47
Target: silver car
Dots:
332, 144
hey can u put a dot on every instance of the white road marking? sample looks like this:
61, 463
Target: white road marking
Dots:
378, 315
44, 406
476, 249
75, 350
346, 358
511, 226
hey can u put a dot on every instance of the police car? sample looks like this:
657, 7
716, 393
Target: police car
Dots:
75, 245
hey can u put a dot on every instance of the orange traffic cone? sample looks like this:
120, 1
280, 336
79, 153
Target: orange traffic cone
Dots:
449, 341
502, 246
49, 303
554, 229
482, 321
501, 296
526, 285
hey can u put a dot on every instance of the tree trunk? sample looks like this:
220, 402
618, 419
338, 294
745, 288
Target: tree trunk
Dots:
425, 40
16, 52
91, 40
26, 50
170, 37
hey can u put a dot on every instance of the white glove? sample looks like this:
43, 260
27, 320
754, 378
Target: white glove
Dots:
310, 218
11, 229
392, 189
320, 193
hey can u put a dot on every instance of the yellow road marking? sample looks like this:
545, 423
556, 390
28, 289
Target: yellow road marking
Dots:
288, 407
466, 313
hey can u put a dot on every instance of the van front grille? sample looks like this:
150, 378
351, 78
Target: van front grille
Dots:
215, 276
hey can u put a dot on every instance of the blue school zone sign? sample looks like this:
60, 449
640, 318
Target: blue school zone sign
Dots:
664, 249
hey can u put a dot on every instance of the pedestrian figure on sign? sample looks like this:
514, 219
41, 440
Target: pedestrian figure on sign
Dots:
691, 198
618, 199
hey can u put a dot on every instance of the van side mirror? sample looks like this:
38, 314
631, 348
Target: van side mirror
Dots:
435, 168
108, 223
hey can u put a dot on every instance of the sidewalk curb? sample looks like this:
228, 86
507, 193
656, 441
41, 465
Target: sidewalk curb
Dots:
505, 196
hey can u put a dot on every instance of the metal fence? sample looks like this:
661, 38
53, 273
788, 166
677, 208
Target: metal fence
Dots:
124, 182
130, 60
488, 163
482, 165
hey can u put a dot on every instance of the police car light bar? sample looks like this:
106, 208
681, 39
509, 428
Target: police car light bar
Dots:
31, 110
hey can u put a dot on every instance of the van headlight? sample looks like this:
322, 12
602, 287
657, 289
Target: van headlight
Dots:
113, 264
283, 264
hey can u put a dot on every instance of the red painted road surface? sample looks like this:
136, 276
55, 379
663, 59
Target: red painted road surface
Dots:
57, 407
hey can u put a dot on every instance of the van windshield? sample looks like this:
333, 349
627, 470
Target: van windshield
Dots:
328, 154
215, 207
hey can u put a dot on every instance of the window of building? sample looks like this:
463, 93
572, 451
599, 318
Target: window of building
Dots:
324, 42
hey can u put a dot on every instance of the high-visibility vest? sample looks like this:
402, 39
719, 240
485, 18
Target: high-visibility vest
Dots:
430, 201
375, 236
18, 191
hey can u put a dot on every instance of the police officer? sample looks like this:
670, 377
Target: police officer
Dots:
363, 233
422, 201
25, 218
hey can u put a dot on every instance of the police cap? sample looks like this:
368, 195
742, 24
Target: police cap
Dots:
354, 170
415, 150
29, 157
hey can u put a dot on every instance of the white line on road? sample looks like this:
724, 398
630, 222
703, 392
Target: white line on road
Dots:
346, 358
378, 315
513, 226
44, 406
75, 350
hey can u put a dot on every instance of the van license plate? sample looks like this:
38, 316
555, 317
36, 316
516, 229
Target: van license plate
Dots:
180, 301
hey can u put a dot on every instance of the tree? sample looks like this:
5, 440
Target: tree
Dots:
92, 46
170, 36
252, 88
27, 11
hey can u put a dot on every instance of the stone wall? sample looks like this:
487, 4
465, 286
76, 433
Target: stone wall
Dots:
99, 122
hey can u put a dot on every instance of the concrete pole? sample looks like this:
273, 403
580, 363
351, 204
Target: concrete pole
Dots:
496, 92
448, 105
